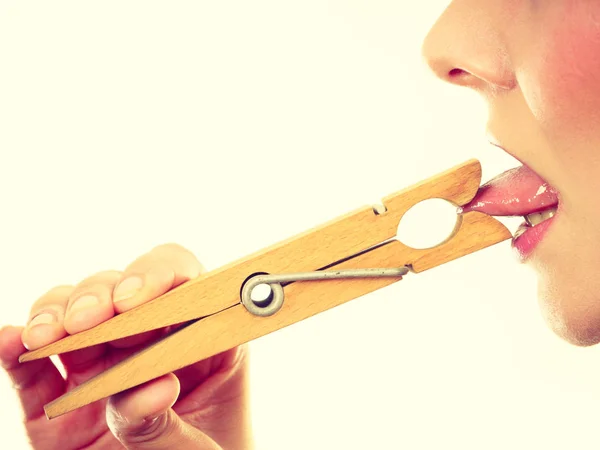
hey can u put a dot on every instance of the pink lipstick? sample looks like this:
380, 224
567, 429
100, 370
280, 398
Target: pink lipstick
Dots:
519, 192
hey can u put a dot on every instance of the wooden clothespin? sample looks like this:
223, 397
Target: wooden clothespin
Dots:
308, 274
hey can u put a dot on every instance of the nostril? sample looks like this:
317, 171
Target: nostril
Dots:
461, 77
455, 73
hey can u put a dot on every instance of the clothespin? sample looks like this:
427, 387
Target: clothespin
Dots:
315, 271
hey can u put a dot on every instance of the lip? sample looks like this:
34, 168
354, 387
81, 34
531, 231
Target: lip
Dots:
525, 244
517, 192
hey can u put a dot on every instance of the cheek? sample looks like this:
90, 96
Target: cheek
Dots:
568, 282
568, 66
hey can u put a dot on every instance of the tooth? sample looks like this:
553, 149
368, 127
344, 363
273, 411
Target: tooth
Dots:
535, 218
549, 214
520, 231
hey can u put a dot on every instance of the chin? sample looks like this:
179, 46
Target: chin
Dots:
572, 312
568, 285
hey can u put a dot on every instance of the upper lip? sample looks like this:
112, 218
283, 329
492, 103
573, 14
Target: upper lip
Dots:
493, 139
517, 192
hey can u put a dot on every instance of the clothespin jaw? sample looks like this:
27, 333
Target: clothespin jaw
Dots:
473, 230
359, 240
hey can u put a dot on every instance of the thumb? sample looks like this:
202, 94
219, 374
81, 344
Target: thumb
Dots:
142, 419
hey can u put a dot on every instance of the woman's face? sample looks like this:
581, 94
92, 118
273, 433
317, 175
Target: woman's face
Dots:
537, 64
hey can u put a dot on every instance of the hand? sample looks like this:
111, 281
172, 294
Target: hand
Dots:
203, 406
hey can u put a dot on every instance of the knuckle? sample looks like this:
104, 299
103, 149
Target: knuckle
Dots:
57, 294
171, 247
166, 258
60, 290
158, 269
91, 288
105, 277
108, 273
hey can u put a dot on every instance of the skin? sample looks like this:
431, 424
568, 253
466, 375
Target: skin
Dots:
203, 406
535, 62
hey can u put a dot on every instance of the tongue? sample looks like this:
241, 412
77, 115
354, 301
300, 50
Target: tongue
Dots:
516, 192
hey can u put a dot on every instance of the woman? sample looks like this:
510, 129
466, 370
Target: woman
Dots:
536, 64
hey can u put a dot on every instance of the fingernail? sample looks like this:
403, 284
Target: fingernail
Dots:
127, 289
40, 319
85, 301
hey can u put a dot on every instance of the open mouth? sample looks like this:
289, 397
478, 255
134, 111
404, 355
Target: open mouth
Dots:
533, 219
519, 192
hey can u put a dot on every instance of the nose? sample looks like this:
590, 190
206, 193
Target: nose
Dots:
464, 47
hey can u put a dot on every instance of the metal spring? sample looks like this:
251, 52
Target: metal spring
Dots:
274, 301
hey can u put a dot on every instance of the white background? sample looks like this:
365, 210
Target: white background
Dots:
228, 126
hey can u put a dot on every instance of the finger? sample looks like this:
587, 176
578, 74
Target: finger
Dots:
154, 273
45, 324
227, 363
142, 419
90, 302
85, 363
36, 382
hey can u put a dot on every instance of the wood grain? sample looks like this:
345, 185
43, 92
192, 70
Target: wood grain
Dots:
215, 296
311, 250
235, 326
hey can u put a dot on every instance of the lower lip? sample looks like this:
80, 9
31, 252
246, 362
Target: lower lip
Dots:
525, 244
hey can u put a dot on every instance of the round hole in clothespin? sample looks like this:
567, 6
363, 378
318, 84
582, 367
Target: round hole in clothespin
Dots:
427, 224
